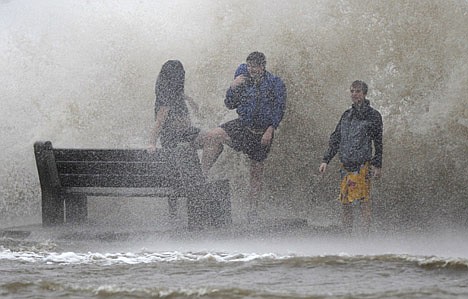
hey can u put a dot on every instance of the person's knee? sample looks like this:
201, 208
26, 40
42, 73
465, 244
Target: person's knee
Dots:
216, 136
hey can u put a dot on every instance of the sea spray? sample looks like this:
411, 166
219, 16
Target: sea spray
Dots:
81, 74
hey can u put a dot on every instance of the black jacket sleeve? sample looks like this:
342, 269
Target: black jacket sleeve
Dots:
333, 143
377, 130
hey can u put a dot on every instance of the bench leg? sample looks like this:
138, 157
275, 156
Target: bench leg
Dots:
220, 205
197, 217
76, 208
52, 208
225, 204
209, 206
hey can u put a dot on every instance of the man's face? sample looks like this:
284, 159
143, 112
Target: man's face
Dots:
255, 71
357, 95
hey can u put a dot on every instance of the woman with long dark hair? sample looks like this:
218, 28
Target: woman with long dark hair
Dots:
172, 118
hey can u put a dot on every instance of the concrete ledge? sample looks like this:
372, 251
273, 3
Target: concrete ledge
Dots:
93, 232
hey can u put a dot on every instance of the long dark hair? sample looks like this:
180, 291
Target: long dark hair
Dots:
171, 80
169, 88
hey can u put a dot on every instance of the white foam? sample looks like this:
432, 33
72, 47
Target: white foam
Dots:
132, 258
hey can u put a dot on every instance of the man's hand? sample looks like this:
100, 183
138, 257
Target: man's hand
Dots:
376, 172
323, 167
238, 81
267, 136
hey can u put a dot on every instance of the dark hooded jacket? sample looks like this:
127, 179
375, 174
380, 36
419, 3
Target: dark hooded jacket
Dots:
357, 129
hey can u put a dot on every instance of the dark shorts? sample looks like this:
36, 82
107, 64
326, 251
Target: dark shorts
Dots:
245, 140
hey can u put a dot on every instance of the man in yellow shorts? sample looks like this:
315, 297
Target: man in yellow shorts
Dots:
358, 141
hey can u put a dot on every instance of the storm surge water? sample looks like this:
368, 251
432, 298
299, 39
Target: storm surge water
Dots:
245, 268
82, 74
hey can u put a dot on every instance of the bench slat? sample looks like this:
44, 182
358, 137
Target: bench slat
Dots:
109, 155
123, 192
117, 168
110, 180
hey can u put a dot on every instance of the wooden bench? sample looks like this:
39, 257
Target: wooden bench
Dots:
68, 176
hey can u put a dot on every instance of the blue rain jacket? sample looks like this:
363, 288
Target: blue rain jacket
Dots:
258, 106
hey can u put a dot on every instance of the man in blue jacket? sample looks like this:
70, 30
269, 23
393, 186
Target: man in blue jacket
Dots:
357, 133
259, 98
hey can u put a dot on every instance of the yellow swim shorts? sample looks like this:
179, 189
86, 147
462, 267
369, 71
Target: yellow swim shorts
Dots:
355, 185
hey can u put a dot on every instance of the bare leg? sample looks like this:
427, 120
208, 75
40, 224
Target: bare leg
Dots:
347, 218
256, 184
212, 148
366, 215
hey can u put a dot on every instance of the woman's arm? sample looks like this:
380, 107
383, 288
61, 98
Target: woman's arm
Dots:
161, 116
192, 103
